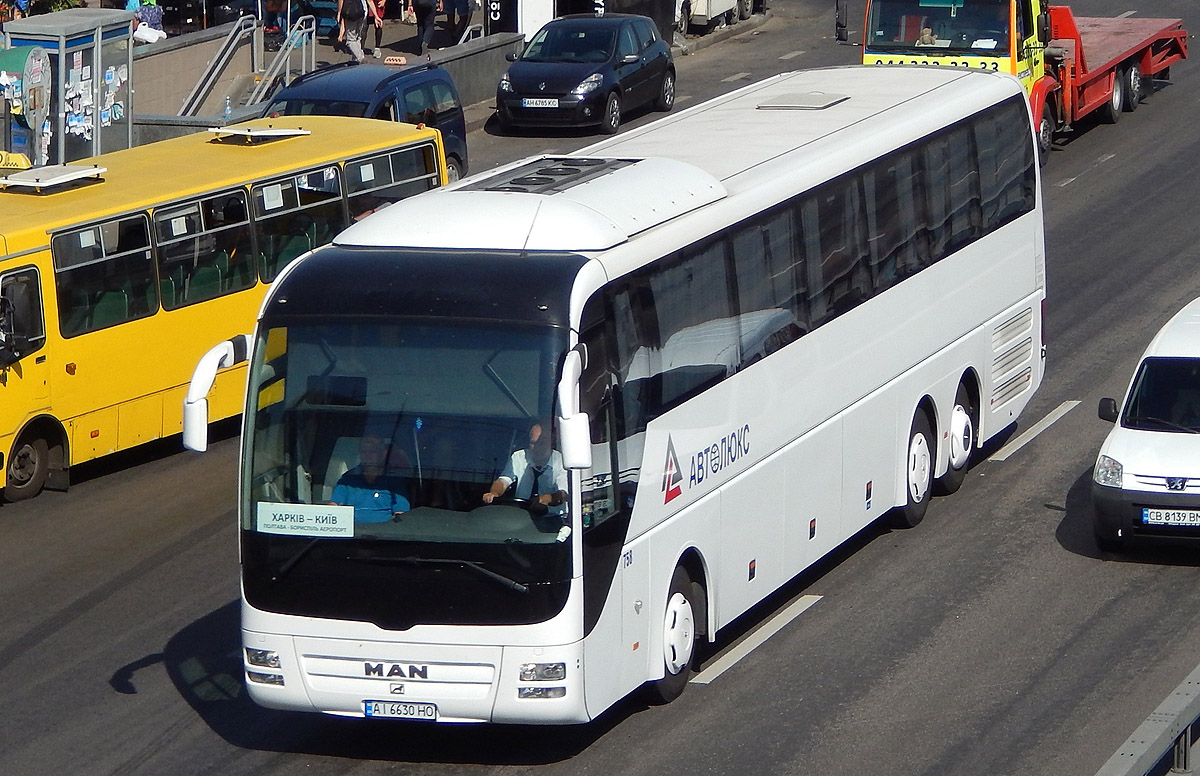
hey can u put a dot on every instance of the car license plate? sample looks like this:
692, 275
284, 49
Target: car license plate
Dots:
400, 709
539, 102
1152, 516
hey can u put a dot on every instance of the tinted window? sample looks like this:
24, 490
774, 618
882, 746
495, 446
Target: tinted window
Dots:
104, 274
204, 249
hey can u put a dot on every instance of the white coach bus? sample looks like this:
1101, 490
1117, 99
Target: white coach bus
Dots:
743, 359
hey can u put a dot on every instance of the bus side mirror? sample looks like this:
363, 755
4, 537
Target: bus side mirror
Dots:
574, 428
14, 327
839, 22
195, 404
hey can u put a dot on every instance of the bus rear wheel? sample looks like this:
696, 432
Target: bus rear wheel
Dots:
28, 468
963, 425
918, 470
679, 638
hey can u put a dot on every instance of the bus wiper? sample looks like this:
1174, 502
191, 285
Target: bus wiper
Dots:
478, 568
291, 562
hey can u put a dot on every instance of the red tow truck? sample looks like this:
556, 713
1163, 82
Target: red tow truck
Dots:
1070, 65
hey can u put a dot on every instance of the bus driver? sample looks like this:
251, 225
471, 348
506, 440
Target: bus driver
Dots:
538, 471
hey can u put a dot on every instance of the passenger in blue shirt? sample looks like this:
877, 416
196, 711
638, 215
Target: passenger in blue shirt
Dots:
375, 495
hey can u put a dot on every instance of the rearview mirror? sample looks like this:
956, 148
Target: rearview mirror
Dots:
1107, 410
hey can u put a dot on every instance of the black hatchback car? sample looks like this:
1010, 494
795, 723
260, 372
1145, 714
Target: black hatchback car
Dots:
582, 70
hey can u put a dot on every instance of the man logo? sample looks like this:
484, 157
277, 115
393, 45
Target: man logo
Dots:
672, 477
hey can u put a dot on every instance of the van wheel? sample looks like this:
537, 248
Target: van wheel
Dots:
1111, 112
1133, 87
453, 169
963, 425
918, 470
679, 638
28, 468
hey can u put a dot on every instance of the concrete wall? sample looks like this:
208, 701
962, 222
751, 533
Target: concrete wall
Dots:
476, 66
164, 73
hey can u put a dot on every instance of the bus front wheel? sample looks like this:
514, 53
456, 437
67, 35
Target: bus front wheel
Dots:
27, 468
918, 470
679, 638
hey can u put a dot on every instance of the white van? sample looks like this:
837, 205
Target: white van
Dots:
1146, 484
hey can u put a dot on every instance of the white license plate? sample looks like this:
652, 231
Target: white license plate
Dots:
1151, 516
539, 102
400, 709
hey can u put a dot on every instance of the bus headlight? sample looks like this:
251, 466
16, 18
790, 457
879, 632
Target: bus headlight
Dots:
1108, 472
543, 672
541, 692
264, 658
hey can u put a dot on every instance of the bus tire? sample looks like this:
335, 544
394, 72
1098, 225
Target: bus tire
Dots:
679, 638
28, 467
963, 425
1133, 87
610, 122
918, 471
1045, 134
1110, 112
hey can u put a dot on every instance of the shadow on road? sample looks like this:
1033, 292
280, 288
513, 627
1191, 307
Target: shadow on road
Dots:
204, 662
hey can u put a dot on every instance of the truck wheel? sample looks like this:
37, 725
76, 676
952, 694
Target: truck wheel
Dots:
1133, 87
1045, 135
1110, 113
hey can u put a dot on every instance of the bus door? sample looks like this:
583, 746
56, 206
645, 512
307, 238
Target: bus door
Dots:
23, 362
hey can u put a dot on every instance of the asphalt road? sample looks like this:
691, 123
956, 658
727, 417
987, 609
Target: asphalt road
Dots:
992, 639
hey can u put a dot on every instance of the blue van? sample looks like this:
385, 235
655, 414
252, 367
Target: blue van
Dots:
417, 95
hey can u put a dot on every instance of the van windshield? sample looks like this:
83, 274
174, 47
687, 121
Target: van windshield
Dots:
306, 107
1165, 396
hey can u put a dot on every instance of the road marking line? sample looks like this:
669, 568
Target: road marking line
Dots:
1006, 452
792, 55
1099, 161
1126, 15
734, 77
769, 629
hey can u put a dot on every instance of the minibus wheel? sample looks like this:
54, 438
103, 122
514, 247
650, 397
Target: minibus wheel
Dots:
28, 467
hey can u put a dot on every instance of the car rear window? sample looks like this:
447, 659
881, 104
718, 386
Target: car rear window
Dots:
302, 107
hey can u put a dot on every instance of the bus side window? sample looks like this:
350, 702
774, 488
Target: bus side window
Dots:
596, 399
22, 330
104, 274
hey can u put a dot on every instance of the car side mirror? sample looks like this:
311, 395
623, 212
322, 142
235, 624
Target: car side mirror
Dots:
1107, 410
511, 56
629, 59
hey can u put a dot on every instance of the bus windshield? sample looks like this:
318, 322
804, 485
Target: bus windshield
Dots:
978, 27
400, 427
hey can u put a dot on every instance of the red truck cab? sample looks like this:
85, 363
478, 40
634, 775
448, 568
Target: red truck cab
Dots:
1069, 66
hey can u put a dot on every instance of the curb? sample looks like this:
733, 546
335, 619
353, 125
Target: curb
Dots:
480, 113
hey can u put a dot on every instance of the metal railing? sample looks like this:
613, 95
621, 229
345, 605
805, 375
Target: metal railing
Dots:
216, 66
302, 38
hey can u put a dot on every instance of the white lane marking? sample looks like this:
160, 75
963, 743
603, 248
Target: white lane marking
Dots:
1004, 453
792, 55
1099, 161
1126, 15
755, 639
734, 77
